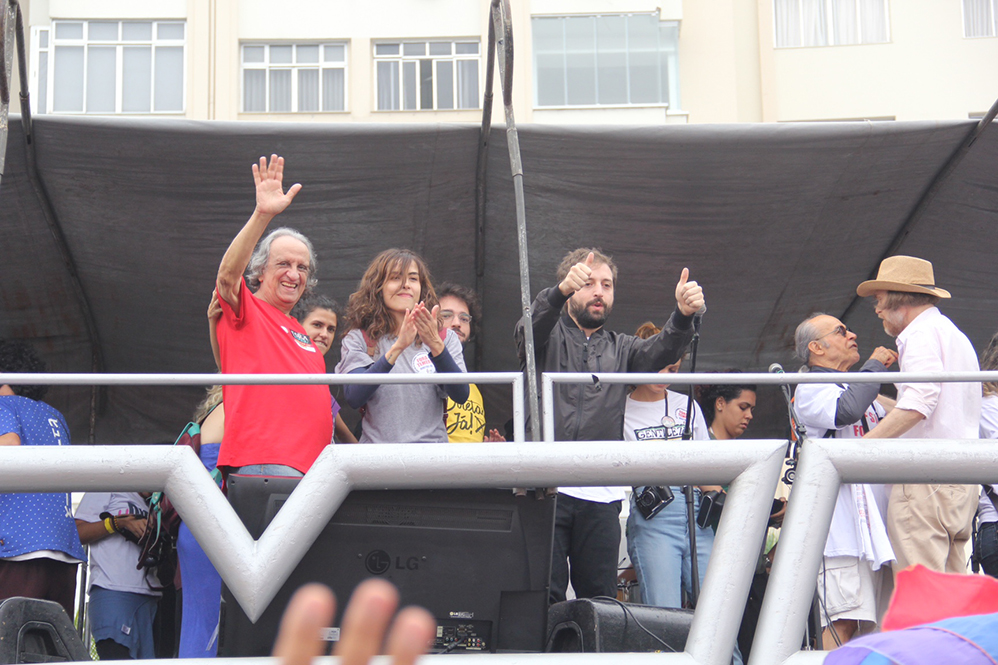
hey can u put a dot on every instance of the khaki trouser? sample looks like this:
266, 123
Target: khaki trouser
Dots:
930, 525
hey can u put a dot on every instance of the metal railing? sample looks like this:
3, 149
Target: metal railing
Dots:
255, 570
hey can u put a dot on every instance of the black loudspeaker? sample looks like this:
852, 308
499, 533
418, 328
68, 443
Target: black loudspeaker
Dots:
591, 626
37, 631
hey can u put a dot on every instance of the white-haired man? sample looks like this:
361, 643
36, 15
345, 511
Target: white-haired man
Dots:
854, 580
269, 430
927, 524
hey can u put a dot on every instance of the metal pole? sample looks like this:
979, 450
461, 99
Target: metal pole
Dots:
7, 22
691, 523
501, 26
481, 179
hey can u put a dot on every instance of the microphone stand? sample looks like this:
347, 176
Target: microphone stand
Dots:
688, 489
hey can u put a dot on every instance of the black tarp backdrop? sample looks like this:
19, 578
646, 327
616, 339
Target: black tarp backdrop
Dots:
775, 220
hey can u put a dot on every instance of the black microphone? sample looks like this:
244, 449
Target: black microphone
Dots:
777, 368
698, 317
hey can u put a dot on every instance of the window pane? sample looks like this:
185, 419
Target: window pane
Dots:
333, 89
43, 39
409, 86
814, 21
549, 35
426, 84
580, 48
136, 31
388, 85
68, 30
254, 53
67, 88
873, 17
445, 84
646, 80
136, 79
103, 31
642, 33
280, 90
100, 79
414, 49
334, 53
464, 48
307, 53
977, 18
844, 22
41, 106
787, 23
467, 84
308, 90
169, 95
551, 80
170, 30
440, 48
611, 59
280, 55
386, 49
581, 80
254, 90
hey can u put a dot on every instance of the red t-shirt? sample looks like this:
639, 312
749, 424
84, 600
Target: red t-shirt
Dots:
271, 424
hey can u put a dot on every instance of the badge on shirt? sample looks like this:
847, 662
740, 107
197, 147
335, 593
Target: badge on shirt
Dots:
301, 340
667, 421
422, 363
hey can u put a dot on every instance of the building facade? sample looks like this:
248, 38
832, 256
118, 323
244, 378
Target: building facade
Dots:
576, 61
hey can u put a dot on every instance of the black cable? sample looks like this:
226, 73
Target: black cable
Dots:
629, 613
450, 647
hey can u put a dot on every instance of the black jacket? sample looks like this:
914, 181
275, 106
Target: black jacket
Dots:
588, 412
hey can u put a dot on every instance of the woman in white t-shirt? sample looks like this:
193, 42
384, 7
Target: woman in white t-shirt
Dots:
659, 547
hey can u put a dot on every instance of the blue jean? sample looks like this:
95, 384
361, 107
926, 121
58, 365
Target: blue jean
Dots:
660, 551
987, 547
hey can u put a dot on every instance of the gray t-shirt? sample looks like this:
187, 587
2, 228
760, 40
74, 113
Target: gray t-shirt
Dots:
401, 413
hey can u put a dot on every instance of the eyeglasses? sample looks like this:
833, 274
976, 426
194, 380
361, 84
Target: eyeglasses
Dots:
837, 330
447, 316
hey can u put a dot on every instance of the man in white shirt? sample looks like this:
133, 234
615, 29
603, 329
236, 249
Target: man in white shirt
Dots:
854, 580
927, 524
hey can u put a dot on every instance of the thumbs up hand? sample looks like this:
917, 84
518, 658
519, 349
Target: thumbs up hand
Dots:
689, 295
577, 277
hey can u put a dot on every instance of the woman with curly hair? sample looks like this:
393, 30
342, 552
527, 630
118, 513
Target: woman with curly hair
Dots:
393, 326
727, 409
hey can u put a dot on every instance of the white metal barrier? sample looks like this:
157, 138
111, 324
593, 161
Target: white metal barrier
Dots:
255, 570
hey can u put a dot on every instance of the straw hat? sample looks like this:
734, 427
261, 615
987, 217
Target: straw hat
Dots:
903, 273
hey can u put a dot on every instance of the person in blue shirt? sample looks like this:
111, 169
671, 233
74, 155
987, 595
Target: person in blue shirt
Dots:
39, 545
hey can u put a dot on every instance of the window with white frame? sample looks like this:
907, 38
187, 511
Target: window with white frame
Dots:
830, 22
434, 75
605, 60
294, 78
109, 67
979, 18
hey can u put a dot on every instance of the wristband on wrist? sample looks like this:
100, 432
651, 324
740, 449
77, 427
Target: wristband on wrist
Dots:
109, 524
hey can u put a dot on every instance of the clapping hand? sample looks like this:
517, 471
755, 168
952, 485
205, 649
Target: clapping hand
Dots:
428, 327
406, 336
269, 178
689, 295
577, 277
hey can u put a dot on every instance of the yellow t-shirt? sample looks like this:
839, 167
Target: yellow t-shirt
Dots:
466, 422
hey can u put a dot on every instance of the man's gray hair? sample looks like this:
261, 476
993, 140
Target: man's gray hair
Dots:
806, 333
258, 261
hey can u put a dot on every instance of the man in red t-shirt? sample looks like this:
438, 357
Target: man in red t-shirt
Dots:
269, 430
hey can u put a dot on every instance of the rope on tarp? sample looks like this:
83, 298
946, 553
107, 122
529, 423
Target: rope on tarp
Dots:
928, 196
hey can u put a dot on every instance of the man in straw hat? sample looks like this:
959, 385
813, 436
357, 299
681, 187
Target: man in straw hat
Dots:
927, 524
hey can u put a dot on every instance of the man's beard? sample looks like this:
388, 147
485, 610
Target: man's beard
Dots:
893, 322
585, 318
